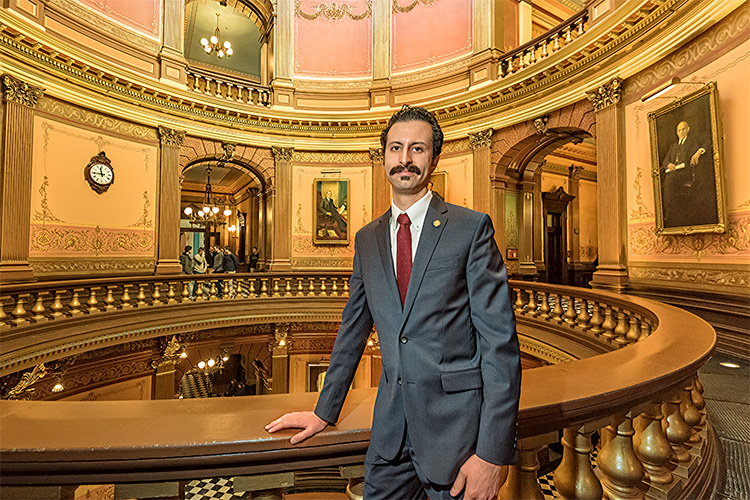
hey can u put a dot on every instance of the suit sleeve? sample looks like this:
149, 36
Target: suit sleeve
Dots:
493, 319
351, 339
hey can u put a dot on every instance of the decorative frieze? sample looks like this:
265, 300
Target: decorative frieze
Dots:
606, 95
170, 137
333, 11
481, 139
20, 92
282, 154
88, 265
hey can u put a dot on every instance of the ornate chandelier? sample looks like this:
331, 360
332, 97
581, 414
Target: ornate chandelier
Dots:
214, 43
209, 214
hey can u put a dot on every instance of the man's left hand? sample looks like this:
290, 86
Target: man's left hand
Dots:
479, 479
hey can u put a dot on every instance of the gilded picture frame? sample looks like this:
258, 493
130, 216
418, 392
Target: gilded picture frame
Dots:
331, 211
687, 165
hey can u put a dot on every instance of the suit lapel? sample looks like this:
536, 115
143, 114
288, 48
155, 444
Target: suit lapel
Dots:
383, 237
432, 228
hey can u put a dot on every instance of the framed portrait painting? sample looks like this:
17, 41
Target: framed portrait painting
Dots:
686, 165
331, 199
439, 183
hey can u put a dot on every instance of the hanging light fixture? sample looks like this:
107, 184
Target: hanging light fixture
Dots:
214, 43
209, 213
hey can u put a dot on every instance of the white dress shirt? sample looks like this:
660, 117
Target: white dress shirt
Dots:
417, 212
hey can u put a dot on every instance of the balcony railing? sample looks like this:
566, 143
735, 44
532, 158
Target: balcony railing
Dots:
224, 86
642, 395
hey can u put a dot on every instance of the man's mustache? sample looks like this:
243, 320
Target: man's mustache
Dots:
409, 168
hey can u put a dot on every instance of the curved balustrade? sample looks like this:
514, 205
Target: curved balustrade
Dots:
642, 398
226, 87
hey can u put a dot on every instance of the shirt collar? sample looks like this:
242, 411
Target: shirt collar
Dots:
417, 212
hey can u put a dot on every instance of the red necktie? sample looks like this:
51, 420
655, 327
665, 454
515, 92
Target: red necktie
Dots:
403, 255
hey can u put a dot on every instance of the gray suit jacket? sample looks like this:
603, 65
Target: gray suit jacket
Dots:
451, 363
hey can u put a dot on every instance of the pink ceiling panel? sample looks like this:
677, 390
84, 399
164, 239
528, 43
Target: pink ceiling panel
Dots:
143, 16
425, 32
333, 39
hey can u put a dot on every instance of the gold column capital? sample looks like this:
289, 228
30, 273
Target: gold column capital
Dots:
574, 172
282, 154
170, 137
481, 139
606, 95
20, 92
376, 155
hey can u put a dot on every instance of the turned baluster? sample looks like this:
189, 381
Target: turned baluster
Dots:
141, 297
171, 293
75, 304
597, 320
532, 55
276, 287
544, 50
156, 294
264, 287
212, 292
38, 308
697, 393
568, 37
185, 290
574, 478
346, 288
109, 299
584, 318
621, 330
532, 306
57, 305
521, 482
300, 289
609, 323
322, 287
252, 288
677, 430
92, 303
544, 309
555, 42
634, 332
199, 293
645, 330
518, 304
334, 288
652, 446
619, 468
125, 298
570, 312
19, 312
3, 317
311, 289
557, 311
580, 27
690, 413
225, 290
288, 288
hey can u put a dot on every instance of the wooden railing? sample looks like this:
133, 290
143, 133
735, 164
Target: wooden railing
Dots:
642, 397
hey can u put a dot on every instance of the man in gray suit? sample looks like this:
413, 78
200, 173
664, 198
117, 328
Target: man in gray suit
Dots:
430, 278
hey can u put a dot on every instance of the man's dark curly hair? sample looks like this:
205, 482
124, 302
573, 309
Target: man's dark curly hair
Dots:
409, 114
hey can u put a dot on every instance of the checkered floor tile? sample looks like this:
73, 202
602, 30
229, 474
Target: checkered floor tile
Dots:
211, 489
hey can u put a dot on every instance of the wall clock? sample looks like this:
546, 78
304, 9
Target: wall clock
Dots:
99, 173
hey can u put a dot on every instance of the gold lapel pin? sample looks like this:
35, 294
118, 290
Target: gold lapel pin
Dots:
436, 223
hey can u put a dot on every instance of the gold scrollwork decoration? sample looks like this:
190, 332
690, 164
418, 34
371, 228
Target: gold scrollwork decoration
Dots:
144, 221
22, 390
97, 240
20, 92
606, 95
408, 8
332, 11
170, 352
45, 215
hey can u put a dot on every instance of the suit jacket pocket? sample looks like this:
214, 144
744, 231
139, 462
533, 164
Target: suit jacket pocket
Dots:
461, 380
444, 263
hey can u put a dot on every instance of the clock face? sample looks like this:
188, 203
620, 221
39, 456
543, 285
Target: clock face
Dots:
102, 174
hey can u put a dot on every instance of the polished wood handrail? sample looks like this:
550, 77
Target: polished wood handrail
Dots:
80, 442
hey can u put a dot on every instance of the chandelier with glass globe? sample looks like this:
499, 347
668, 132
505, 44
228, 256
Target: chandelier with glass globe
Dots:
214, 44
209, 213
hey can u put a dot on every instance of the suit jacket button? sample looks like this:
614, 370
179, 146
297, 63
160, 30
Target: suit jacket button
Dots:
399, 381
404, 340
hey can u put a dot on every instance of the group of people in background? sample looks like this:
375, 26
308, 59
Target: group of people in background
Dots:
217, 260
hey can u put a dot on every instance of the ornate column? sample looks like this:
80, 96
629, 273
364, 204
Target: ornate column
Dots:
168, 196
381, 54
283, 37
282, 210
19, 100
612, 272
480, 145
172, 54
280, 359
526, 229
574, 223
498, 184
539, 223
164, 384
381, 199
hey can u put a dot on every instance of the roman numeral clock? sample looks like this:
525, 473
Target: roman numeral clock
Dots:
99, 173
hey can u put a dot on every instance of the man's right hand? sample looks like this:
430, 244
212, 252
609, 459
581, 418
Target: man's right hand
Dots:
308, 421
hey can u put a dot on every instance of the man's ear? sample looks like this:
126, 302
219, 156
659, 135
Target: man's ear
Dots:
434, 164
